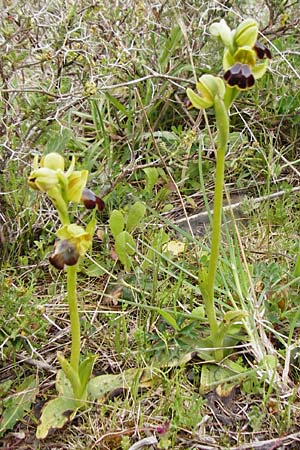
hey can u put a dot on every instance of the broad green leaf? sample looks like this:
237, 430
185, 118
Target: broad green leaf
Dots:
198, 313
136, 213
169, 318
124, 247
4, 387
55, 414
213, 375
151, 178
100, 386
63, 385
18, 404
57, 143
116, 223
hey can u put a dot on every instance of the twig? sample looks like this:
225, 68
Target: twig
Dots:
204, 216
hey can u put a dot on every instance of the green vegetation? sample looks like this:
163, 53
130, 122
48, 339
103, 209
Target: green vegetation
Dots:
106, 83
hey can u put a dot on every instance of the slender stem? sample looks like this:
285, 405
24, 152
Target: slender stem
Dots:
74, 316
222, 121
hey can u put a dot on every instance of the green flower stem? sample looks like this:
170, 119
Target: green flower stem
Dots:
74, 316
61, 207
222, 122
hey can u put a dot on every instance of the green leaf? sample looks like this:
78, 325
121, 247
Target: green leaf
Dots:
57, 143
116, 223
169, 318
4, 387
63, 385
297, 266
118, 105
98, 387
213, 375
124, 246
85, 371
55, 414
19, 403
91, 226
151, 178
70, 373
160, 238
170, 46
136, 213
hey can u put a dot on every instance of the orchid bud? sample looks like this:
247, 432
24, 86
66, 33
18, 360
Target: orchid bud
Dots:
53, 161
91, 200
246, 33
222, 31
208, 86
43, 179
65, 252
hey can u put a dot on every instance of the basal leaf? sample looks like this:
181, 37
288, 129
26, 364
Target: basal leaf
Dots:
136, 213
116, 223
55, 414
151, 178
18, 404
124, 247
100, 386
169, 318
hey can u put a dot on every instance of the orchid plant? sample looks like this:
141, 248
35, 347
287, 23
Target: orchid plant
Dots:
245, 60
62, 187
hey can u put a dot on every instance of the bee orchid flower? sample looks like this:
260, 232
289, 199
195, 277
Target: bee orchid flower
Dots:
243, 54
50, 176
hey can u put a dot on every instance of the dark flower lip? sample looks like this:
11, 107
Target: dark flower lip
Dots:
91, 200
262, 51
64, 252
240, 75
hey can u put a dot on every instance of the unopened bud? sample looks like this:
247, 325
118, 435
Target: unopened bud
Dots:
54, 161
246, 33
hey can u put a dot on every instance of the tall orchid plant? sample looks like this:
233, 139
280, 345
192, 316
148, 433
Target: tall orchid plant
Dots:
245, 60
62, 187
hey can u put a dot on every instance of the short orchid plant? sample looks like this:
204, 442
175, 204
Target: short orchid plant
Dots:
62, 187
245, 60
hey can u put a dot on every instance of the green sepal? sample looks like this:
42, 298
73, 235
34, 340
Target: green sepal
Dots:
197, 101
260, 69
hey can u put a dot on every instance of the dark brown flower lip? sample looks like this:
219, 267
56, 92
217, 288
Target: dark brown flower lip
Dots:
64, 252
262, 51
240, 75
91, 200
